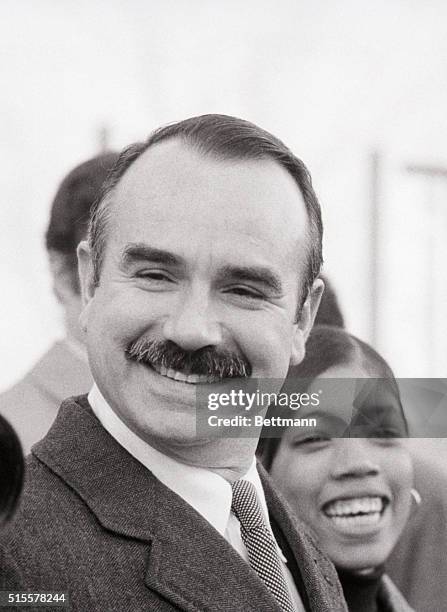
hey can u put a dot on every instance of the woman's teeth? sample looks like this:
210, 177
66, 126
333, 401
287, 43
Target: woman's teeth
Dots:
192, 379
355, 511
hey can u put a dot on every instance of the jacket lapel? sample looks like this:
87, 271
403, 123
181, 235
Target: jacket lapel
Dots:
193, 565
190, 564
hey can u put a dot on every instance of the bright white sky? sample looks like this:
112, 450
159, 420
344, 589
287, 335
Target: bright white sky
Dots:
334, 80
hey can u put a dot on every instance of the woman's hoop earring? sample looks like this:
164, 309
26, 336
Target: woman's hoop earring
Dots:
416, 496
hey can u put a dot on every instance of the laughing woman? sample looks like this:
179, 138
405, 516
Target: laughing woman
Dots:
350, 476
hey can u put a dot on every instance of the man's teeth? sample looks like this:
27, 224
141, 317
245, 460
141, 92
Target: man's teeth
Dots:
355, 508
192, 379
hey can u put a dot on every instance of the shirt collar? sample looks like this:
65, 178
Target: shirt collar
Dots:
207, 492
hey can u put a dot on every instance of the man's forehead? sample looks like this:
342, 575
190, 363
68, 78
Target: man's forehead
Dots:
173, 164
172, 182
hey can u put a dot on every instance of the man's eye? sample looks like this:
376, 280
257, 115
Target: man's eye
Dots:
154, 275
246, 292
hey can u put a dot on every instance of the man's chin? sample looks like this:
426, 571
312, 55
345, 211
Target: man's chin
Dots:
181, 445
168, 423
159, 390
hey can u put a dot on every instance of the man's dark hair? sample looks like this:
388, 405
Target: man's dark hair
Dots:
224, 138
72, 204
12, 470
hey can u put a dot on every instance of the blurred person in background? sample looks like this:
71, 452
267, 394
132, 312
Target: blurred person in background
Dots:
350, 476
31, 405
418, 564
11, 471
421, 551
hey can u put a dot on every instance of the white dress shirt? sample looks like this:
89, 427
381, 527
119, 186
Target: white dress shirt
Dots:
207, 492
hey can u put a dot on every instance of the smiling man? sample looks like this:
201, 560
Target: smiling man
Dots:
199, 270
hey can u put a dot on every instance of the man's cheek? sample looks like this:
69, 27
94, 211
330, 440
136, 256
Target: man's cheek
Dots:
269, 362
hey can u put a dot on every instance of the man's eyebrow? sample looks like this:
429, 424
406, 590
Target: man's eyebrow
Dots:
134, 252
255, 274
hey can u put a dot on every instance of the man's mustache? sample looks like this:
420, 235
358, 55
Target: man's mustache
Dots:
206, 361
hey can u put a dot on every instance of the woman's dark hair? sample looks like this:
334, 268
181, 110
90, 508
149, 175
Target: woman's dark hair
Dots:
11, 470
327, 347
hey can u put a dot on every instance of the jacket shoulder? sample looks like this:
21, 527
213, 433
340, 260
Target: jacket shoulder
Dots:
55, 543
47, 511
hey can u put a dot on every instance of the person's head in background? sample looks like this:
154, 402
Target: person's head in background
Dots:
68, 224
351, 485
11, 471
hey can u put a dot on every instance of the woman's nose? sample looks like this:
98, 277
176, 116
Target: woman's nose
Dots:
354, 458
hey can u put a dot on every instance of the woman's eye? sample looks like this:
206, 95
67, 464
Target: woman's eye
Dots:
387, 437
388, 433
312, 441
385, 433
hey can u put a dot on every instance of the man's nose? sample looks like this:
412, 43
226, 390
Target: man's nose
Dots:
354, 459
191, 325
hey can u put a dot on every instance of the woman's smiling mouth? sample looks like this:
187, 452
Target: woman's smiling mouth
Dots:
350, 514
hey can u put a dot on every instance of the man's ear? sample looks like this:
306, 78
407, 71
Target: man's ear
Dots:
86, 279
306, 321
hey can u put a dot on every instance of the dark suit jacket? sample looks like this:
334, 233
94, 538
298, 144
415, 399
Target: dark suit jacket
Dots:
32, 404
96, 523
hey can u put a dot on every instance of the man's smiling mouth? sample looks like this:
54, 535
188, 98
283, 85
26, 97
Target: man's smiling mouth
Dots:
192, 379
202, 366
365, 510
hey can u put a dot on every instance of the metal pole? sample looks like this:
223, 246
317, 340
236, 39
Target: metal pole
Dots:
103, 139
374, 244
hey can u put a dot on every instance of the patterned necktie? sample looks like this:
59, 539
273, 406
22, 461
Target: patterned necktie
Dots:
261, 547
